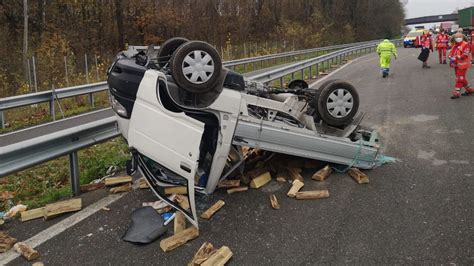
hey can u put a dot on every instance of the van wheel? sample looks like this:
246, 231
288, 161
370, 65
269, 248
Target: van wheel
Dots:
338, 103
168, 48
196, 67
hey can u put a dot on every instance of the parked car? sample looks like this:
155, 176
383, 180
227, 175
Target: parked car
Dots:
186, 118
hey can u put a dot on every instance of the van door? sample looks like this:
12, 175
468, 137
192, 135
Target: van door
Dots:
167, 143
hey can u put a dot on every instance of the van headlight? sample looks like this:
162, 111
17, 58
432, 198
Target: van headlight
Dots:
118, 107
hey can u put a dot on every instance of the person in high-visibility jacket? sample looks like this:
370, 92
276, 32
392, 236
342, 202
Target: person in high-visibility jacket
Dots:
460, 58
442, 45
385, 50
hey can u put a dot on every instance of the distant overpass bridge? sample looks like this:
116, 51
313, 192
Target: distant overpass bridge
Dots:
431, 19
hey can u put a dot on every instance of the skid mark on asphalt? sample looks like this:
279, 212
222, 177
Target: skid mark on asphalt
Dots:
424, 118
430, 156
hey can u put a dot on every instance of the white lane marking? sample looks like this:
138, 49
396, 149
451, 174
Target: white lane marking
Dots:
61, 226
341, 68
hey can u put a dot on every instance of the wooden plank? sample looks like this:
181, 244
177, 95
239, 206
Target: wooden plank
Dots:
179, 222
260, 180
142, 183
122, 188
6, 242
315, 194
91, 187
110, 181
322, 174
26, 251
182, 201
219, 258
229, 183
237, 189
295, 174
295, 187
64, 206
32, 214
179, 239
203, 253
358, 176
176, 190
213, 209
274, 202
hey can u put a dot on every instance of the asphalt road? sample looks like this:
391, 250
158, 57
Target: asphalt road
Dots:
419, 210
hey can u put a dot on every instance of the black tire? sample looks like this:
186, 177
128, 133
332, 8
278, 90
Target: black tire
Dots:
185, 80
314, 101
168, 48
340, 115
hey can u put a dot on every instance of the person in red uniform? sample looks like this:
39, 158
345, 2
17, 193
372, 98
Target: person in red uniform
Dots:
442, 45
426, 47
472, 43
460, 58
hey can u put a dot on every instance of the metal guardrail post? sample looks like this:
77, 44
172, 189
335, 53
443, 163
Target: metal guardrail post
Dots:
281, 82
91, 100
310, 72
52, 110
74, 172
2, 119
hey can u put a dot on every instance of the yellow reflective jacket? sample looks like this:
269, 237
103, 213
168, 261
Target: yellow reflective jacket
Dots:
386, 48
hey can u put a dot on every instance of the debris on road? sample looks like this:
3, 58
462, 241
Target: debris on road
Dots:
260, 180
26, 251
122, 188
142, 183
237, 189
6, 242
203, 253
14, 211
295, 187
65, 206
220, 257
274, 202
38, 263
229, 183
91, 187
110, 181
182, 201
179, 239
213, 209
358, 176
1, 221
295, 173
147, 226
105, 209
315, 194
179, 222
322, 174
176, 190
32, 214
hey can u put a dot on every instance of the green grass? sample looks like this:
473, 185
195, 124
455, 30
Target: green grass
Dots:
50, 182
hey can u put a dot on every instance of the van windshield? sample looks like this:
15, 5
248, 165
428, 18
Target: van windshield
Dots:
413, 34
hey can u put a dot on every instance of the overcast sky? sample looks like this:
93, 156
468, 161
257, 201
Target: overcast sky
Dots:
420, 8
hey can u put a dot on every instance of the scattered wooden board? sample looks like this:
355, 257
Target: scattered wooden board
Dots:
203, 253
32, 214
229, 183
237, 189
6, 242
142, 183
295, 174
26, 251
322, 174
179, 222
315, 194
260, 180
38, 263
176, 190
220, 257
358, 176
213, 209
295, 187
54, 209
110, 181
91, 187
122, 188
179, 239
274, 202
182, 201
